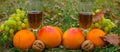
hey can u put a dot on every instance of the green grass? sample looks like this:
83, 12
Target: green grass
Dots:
60, 12
64, 13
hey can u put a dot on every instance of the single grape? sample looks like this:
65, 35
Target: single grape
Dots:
6, 28
96, 24
23, 25
18, 11
2, 27
99, 22
25, 21
22, 15
102, 20
19, 22
17, 18
106, 29
19, 27
27, 25
13, 22
108, 25
98, 10
108, 20
11, 31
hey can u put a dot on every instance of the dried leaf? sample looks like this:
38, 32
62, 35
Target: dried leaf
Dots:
55, 16
73, 17
98, 15
46, 14
56, 23
112, 39
115, 17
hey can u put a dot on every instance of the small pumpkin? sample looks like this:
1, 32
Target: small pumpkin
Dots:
95, 36
23, 39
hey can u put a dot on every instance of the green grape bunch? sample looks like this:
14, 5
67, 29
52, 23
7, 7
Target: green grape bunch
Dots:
105, 24
17, 21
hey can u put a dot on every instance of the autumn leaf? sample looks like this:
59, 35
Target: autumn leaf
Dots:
112, 39
98, 15
73, 17
116, 18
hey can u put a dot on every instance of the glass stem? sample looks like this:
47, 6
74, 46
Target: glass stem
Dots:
85, 32
35, 32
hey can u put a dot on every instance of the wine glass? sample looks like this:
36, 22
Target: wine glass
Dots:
85, 16
34, 19
34, 15
85, 19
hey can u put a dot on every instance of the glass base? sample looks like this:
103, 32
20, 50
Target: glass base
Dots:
35, 31
85, 31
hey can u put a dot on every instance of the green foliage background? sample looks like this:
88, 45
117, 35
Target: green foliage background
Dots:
64, 14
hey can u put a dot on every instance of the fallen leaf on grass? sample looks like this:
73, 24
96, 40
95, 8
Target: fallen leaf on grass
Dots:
112, 39
73, 17
116, 18
98, 15
46, 14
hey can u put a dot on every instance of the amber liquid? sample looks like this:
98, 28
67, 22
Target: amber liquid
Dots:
85, 19
34, 19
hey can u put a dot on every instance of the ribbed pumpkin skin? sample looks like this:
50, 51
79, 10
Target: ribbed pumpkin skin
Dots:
23, 39
94, 35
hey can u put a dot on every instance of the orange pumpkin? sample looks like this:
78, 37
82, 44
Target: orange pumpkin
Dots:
23, 39
94, 35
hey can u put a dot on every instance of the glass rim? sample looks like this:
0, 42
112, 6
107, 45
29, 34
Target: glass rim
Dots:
86, 13
34, 11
